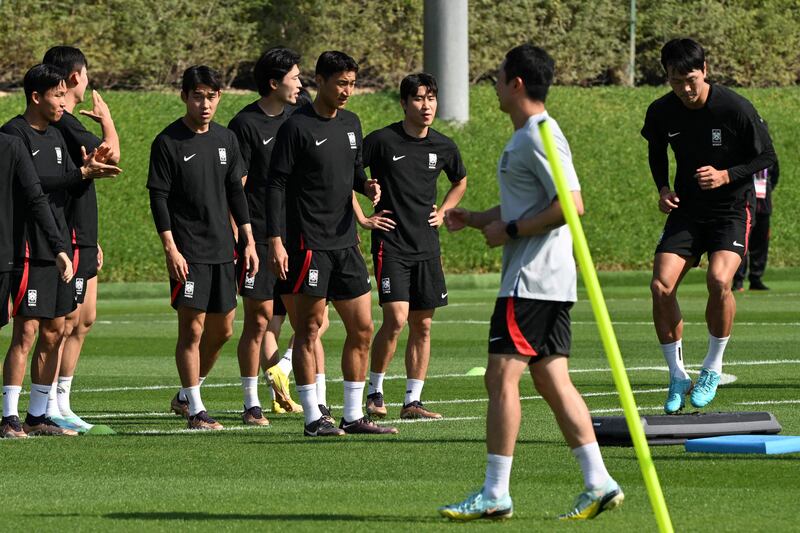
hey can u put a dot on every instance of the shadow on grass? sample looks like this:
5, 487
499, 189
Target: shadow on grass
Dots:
300, 517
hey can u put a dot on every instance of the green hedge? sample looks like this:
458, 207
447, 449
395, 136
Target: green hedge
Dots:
622, 221
148, 43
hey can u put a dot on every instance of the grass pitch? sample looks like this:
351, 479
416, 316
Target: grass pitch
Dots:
155, 476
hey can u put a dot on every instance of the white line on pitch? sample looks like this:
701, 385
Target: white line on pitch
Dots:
769, 402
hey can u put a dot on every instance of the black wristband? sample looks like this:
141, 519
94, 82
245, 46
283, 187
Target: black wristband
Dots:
512, 230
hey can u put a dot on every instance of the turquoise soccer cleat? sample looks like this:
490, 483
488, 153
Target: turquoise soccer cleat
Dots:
705, 389
676, 397
591, 503
476, 507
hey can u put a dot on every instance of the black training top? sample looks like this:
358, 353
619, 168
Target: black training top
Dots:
195, 179
256, 133
82, 200
407, 168
56, 172
316, 164
21, 197
727, 133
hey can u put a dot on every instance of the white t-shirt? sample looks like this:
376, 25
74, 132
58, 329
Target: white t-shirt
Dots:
540, 267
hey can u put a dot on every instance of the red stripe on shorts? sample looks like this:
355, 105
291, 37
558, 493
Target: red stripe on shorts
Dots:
747, 227
303, 272
379, 266
23, 284
175, 292
520, 342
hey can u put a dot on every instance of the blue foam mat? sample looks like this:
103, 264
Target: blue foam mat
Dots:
764, 444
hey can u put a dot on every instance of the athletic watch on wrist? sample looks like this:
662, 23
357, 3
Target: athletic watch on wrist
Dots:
512, 230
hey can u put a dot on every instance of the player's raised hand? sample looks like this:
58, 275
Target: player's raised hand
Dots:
668, 200
709, 177
278, 258
177, 266
436, 218
379, 221
373, 191
64, 267
99, 111
93, 168
457, 218
495, 233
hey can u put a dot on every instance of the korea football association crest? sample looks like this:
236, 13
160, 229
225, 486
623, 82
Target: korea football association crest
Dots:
351, 136
386, 286
32, 297
58, 155
223, 156
716, 137
313, 277
188, 289
79, 286
249, 281
432, 160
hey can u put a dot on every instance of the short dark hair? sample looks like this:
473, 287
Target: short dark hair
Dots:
200, 75
273, 64
411, 84
534, 66
67, 58
683, 55
332, 62
41, 78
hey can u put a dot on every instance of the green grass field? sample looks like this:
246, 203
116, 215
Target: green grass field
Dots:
155, 476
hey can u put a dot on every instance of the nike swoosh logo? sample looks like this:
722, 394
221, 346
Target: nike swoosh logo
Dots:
36, 152
737, 244
495, 339
444, 295
670, 134
395, 158
320, 142
268, 141
186, 158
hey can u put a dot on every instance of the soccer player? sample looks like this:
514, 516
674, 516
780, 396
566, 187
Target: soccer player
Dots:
42, 292
530, 326
277, 75
82, 220
316, 164
195, 181
719, 142
407, 158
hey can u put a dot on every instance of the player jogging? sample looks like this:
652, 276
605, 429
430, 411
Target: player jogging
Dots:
719, 142
316, 164
195, 181
407, 158
82, 221
530, 327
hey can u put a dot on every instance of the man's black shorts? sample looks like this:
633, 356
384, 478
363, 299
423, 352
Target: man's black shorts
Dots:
534, 328
420, 283
331, 274
278, 307
693, 235
262, 285
38, 291
209, 288
84, 264
5, 293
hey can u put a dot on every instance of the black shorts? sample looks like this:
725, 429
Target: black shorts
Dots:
84, 264
420, 283
39, 292
534, 328
331, 274
688, 235
262, 285
278, 307
5, 293
209, 288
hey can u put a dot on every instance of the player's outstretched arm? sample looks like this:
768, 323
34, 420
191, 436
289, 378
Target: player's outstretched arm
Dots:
496, 232
377, 220
459, 218
101, 114
94, 168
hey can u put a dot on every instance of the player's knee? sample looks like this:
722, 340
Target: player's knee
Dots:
717, 285
191, 333
661, 290
393, 325
422, 328
27, 336
543, 385
52, 333
86, 322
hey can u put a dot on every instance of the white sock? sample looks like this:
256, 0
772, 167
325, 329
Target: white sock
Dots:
286, 362
250, 391
271, 390
498, 476
376, 382
52, 402
353, 399
182, 395
413, 390
39, 395
673, 354
594, 470
716, 347
192, 394
11, 400
322, 390
308, 399
63, 390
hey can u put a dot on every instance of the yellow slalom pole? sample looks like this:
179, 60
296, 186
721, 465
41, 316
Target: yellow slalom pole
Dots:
589, 275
